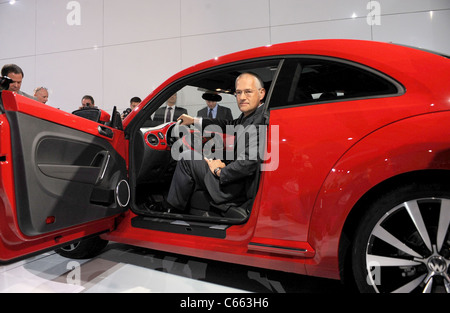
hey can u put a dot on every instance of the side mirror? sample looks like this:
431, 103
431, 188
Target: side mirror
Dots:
116, 120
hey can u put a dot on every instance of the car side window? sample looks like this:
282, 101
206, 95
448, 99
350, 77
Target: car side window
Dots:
306, 81
187, 95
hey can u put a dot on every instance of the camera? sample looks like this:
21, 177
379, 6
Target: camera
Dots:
5, 81
126, 112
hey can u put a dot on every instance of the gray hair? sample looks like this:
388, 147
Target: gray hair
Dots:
259, 82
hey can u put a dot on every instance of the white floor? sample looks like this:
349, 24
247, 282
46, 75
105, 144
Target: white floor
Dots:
126, 269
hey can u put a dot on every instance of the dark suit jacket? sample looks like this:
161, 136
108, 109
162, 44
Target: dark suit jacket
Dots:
223, 113
238, 180
159, 114
241, 166
158, 118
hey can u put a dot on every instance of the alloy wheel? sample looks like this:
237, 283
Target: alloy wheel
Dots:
409, 248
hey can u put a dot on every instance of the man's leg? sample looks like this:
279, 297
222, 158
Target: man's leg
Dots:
189, 173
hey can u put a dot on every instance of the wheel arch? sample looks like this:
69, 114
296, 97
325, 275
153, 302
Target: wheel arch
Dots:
401, 151
358, 211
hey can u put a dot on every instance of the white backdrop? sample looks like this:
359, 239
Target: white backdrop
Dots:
117, 49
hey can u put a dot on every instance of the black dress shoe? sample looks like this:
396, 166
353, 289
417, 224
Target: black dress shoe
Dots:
170, 209
155, 207
163, 207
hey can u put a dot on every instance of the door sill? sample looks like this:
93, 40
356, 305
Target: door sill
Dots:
181, 226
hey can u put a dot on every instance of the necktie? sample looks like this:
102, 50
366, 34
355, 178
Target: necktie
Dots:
210, 114
168, 116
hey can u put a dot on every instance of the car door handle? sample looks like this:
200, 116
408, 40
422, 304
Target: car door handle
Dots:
101, 162
105, 131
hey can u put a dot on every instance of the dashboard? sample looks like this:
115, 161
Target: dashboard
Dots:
160, 137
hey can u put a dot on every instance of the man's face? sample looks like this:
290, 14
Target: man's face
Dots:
172, 100
42, 95
87, 103
248, 95
16, 82
133, 105
211, 104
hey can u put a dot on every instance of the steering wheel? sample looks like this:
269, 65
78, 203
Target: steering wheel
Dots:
208, 145
191, 138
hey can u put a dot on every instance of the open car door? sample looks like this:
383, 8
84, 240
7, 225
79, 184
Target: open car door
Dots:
63, 177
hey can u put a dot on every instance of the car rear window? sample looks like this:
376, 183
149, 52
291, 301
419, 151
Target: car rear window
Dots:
309, 80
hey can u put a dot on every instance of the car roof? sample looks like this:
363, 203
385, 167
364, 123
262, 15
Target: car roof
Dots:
372, 53
410, 66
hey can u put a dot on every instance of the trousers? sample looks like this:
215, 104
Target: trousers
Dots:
191, 173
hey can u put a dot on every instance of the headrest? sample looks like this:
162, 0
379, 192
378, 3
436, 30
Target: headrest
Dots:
211, 97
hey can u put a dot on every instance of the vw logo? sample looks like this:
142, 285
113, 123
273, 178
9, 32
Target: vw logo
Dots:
437, 265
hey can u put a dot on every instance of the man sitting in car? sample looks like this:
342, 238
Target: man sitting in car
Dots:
225, 181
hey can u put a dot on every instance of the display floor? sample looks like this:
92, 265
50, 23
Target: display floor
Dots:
126, 269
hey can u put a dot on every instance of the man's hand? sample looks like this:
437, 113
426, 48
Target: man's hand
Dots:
186, 120
213, 164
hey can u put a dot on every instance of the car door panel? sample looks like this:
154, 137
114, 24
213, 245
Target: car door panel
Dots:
70, 160
64, 176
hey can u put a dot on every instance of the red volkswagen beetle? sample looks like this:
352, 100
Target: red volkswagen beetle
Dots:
354, 182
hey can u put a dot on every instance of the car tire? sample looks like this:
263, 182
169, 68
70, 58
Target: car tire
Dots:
402, 243
84, 249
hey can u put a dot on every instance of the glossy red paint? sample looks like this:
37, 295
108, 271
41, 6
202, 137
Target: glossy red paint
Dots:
419, 143
14, 244
48, 113
105, 117
298, 204
331, 156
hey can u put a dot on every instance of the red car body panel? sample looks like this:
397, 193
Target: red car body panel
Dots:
14, 243
304, 204
330, 156
414, 144
34, 108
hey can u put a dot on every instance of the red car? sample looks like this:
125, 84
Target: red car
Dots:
354, 184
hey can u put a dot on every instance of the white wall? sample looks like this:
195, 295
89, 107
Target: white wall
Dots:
125, 48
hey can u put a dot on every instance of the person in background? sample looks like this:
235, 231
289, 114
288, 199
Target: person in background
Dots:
87, 102
134, 102
214, 110
170, 112
15, 73
41, 94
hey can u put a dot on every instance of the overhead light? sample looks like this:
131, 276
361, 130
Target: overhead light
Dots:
12, 2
